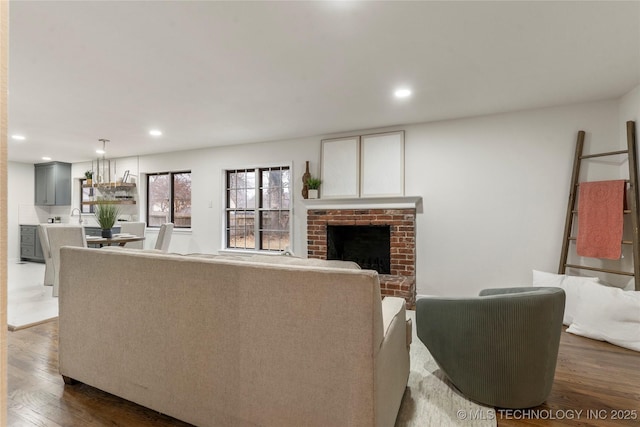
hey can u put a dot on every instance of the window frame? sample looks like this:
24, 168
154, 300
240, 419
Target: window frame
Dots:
258, 209
171, 175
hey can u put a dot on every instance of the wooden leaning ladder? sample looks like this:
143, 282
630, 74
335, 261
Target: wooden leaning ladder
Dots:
633, 205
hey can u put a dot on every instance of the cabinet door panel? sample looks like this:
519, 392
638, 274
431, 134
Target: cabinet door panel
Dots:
27, 251
53, 184
27, 239
62, 184
45, 185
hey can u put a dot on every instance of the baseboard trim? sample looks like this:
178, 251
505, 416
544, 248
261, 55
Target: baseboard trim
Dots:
13, 328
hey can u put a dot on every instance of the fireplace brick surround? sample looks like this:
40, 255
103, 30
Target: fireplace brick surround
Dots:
402, 222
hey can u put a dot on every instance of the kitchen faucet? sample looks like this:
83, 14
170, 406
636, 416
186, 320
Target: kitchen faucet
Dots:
79, 214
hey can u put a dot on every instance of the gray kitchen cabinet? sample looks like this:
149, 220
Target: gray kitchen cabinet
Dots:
52, 184
30, 246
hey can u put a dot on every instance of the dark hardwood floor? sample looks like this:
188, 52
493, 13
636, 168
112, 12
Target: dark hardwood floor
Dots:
591, 376
37, 395
597, 378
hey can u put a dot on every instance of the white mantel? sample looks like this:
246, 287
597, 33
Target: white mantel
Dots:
395, 202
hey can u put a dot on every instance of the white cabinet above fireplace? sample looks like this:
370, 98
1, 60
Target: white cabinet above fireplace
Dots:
366, 166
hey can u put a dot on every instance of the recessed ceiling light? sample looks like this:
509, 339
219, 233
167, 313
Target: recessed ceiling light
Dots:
100, 151
46, 158
18, 137
402, 93
155, 132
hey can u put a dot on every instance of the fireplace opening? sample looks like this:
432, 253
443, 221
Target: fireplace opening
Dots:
368, 246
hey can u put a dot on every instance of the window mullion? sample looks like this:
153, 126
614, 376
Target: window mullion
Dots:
171, 193
257, 213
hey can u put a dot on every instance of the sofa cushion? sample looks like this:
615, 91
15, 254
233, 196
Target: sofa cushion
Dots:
310, 262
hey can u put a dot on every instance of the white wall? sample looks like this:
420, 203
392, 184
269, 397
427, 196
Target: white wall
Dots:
494, 189
495, 193
207, 168
629, 110
20, 189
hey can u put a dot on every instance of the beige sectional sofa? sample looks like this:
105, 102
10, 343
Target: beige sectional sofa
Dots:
215, 341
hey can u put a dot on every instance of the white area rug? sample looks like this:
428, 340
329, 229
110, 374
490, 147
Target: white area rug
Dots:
29, 302
431, 400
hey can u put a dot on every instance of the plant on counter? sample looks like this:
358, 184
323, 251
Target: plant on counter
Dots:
89, 177
106, 215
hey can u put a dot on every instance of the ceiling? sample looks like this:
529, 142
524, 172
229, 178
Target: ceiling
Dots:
221, 73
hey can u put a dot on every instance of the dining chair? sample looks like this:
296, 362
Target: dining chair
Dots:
135, 228
46, 253
164, 237
60, 236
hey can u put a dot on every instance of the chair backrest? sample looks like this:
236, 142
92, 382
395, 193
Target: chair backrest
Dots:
136, 228
164, 237
46, 254
44, 241
60, 236
490, 346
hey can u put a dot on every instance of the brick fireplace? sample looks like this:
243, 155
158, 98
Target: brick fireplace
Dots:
400, 281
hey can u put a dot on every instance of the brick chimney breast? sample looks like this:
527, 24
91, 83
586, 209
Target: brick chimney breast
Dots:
402, 226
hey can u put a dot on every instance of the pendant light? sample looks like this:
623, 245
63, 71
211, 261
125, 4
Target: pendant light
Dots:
103, 165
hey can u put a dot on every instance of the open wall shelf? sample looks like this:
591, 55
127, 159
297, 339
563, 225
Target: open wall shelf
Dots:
112, 193
111, 202
112, 185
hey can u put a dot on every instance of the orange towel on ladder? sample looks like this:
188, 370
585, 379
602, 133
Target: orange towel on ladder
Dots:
600, 220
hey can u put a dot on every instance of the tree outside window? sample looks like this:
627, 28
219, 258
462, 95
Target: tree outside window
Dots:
169, 199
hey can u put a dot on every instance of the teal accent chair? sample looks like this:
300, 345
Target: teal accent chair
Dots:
500, 348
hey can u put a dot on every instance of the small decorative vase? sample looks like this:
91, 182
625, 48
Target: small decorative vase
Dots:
313, 193
89, 181
107, 233
305, 187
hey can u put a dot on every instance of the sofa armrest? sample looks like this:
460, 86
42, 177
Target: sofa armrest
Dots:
391, 362
391, 307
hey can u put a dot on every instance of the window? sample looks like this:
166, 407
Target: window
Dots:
86, 195
258, 208
169, 199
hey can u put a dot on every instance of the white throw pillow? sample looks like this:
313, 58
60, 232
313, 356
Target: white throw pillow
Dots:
572, 286
542, 278
631, 286
608, 314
